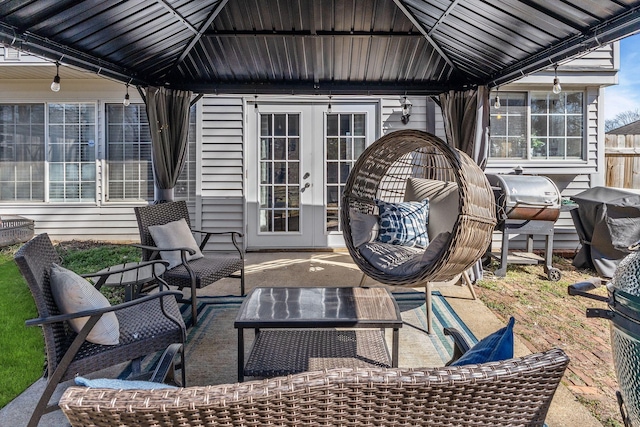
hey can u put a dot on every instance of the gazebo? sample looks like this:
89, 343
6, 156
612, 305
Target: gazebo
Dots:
173, 49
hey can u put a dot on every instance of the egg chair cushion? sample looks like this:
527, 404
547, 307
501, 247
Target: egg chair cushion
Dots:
398, 260
364, 227
443, 202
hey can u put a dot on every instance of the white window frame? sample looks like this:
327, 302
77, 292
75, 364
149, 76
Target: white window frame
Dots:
529, 159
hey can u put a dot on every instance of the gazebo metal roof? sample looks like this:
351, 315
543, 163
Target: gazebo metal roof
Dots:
314, 46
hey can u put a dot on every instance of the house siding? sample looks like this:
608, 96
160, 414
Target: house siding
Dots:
220, 204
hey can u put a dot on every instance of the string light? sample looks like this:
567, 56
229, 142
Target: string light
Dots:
556, 81
126, 100
55, 84
496, 104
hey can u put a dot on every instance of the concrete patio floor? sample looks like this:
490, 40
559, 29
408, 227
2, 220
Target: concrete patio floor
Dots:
328, 269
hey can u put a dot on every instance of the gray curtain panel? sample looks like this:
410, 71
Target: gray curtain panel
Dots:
466, 119
466, 122
168, 113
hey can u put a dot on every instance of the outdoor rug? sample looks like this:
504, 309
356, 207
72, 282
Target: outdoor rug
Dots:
211, 350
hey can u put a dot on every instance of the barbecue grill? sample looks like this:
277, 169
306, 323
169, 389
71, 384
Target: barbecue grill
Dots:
529, 205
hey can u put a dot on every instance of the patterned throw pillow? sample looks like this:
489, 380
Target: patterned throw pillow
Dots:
404, 223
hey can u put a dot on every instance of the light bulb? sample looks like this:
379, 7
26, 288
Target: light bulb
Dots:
497, 103
556, 86
55, 84
126, 100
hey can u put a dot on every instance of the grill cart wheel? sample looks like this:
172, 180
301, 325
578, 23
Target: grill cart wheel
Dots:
554, 274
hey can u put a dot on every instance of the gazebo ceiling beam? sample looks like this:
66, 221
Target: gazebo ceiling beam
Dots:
288, 87
312, 34
425, 33
56, 52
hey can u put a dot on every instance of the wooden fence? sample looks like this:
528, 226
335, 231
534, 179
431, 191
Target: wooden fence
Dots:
622, 159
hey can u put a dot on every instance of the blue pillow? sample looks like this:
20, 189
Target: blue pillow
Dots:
120, 384
497, 346
404, 223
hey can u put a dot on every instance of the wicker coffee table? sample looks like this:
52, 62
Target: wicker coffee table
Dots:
300, 332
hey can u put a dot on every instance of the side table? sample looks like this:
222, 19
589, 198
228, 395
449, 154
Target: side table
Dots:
132, 275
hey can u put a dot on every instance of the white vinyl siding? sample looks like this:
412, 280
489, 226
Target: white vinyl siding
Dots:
220, 206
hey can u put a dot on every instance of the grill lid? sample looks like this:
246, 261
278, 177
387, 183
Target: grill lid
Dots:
525, 197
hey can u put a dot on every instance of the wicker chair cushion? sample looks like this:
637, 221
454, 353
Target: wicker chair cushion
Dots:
73, 294
404, 223
364, 227
443, 202
399, 260
175, 234
118, 384
494, 348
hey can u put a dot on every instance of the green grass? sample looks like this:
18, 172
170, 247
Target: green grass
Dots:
22, 354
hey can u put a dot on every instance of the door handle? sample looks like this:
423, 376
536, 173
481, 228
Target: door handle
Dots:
307, 185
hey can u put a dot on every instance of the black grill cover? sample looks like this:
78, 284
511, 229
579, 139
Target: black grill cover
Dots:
607, 221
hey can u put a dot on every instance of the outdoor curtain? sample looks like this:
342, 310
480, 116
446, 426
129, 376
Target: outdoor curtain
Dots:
168, 113
466, 120
466, 124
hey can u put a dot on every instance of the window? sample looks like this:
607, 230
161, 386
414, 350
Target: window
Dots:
537, 126
72, 152
130, 176
22, 152
130, 173
345, 141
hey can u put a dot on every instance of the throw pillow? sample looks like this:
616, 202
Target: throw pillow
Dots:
364, 227
404, 223
443, 202
497, 346
175, 234
120, 384
73, 294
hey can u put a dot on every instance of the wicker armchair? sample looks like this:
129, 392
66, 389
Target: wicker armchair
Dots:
515, 392
193, 274
382, 172
147, 325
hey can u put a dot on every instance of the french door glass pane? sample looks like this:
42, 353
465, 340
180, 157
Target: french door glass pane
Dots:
279, 184
345, 141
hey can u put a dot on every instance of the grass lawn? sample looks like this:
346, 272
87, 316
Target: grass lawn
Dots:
22, 355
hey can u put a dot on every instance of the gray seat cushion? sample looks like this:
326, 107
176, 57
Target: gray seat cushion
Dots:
443, 202
398, 260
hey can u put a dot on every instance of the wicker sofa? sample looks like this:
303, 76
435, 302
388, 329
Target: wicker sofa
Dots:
515, 392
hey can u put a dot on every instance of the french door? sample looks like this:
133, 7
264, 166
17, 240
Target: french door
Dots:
298, 159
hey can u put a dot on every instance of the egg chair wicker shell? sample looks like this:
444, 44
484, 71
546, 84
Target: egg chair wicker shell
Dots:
381, 173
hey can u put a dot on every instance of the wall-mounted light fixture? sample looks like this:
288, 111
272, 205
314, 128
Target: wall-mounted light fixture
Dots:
406, 110
556, 81
55, 84
496, 103
329, 106
126, 100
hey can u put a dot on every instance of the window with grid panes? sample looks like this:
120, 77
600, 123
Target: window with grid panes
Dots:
72, 152
22, 153
345, 141
537, 126
130, 173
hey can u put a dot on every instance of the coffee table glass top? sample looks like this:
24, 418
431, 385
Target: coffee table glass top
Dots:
318, 307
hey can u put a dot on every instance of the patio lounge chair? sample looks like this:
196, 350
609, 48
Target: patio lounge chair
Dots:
195, 273
514, 392
146, 325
